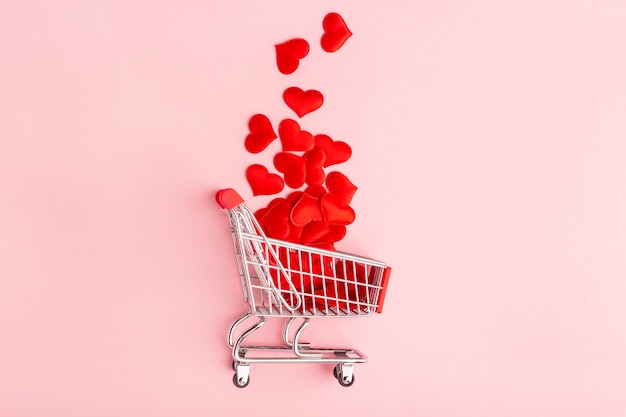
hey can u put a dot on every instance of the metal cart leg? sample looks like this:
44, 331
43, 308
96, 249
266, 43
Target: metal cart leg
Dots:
241, 379
234, 326
286, 334
298, 347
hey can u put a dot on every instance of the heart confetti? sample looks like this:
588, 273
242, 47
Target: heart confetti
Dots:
275, 219
306, 210
294, 197
262, 182
336, 151
336, 32
293, 138
334, 211
318, 214
339, 185
261, 133
289, 54
315, 190
336, 232
295, 233
313, 232
293, 168
303, 102
314, 161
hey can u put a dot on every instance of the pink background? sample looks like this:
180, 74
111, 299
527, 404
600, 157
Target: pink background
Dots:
489, 145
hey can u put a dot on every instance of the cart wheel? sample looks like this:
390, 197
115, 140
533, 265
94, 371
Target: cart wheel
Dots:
240, 383
336, 371
344, 382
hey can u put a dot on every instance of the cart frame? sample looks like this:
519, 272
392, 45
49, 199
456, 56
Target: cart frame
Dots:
293, 281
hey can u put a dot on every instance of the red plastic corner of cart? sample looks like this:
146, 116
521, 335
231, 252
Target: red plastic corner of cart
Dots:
383, 291
228, 198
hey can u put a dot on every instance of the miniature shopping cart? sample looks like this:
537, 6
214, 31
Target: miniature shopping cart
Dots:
283, 279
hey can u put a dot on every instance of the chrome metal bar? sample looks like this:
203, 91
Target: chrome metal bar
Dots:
252, 329
234, 325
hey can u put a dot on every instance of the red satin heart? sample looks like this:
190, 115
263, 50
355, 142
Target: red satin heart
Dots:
293, 138
313, 231
336, 151
315, 190
306, 210
293, 168
294, 233
294, 197
336, 32
275, 219
336, 232
333, 233
289, 54
339, 185
303, 102
334, 211
262, 182
315, 159
261, 212
274, 224
261, 133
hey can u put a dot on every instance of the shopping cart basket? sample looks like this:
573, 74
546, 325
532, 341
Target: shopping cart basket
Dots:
284, 279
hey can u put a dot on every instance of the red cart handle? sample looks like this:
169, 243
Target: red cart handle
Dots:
228, 198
